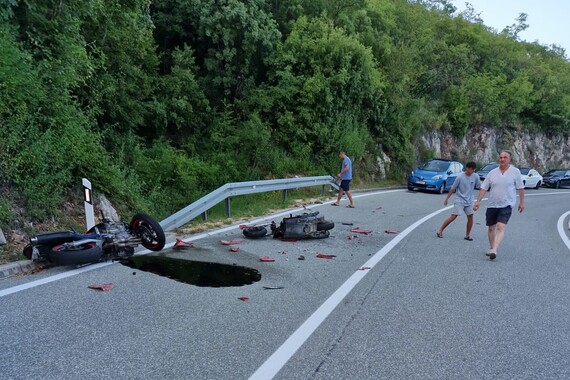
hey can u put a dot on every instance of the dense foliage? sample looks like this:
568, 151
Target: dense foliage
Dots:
160, 102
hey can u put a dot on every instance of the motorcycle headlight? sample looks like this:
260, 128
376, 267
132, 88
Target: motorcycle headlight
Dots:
436, 177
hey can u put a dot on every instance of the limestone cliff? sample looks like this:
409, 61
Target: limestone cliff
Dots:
483, 145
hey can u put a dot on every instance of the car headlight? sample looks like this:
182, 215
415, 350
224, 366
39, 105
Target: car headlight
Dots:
436, 177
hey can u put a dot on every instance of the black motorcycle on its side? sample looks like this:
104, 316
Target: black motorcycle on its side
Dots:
108, 240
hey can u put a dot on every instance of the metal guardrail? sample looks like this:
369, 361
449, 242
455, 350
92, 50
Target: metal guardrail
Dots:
224, 193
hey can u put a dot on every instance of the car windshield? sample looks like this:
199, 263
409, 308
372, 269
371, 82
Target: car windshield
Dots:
524, 171
435, 166
490, 167
558, 173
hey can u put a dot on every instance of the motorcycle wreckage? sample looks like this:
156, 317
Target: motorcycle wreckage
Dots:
108, 240
304, 226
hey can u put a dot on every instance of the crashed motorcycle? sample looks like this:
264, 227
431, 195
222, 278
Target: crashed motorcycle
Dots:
304, 226
108, 240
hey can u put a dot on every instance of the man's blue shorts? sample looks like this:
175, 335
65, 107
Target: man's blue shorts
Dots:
345, 184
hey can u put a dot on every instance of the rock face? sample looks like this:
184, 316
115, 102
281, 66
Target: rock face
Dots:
483, 145
107, 209
2, 238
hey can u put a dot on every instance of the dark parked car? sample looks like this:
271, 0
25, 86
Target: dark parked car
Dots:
556, 178
486, 169
435, 175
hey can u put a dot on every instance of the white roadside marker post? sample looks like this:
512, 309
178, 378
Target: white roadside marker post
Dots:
88, 202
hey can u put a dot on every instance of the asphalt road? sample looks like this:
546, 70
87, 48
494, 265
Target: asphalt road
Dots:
427, 308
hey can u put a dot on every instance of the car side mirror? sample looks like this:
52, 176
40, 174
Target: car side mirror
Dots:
530, 174
449, 172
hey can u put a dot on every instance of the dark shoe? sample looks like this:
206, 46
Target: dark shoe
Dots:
350, 206
439, 234
468, 238
335, 204
492, 255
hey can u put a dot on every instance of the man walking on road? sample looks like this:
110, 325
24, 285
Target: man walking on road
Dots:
345, 176
463, 187
504, 180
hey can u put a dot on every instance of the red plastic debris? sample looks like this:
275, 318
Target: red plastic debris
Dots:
234, 249
290, 240
226, 242
392, 232
361, 231
364, 268
325, 256
102, 287
283, 252
245, 299
244, 226
182, 244
266, 259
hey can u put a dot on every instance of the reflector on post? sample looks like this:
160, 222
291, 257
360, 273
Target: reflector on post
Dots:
88, 203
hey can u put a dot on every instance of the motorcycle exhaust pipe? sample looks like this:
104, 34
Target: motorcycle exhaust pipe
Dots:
52, 238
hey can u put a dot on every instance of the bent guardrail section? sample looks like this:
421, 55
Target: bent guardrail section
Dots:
240, 188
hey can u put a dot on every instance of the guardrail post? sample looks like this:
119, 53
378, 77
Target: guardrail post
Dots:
284, 195
228, 207
205, 216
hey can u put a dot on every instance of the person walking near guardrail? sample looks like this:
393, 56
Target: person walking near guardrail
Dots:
505, 181
463, 188
345, 176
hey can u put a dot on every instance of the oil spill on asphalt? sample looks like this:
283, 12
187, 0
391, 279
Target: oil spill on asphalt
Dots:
195, 272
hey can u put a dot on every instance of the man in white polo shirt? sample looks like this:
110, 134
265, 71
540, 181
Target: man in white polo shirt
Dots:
505, 180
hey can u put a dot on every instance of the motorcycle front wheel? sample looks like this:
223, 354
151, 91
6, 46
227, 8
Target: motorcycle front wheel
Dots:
83, 254
149, 230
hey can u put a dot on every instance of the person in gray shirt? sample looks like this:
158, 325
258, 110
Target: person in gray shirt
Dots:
463, 188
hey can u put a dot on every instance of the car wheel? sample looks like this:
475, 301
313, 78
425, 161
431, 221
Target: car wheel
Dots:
524, 183
410, 188
442, 188
538, 184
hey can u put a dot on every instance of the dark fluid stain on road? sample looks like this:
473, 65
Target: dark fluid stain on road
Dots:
195, 272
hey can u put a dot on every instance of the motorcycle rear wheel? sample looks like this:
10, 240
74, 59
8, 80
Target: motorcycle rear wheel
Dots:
83, 254
149, 230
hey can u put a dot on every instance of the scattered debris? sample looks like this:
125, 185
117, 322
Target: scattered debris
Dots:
182, 244
273, 287
266, 259
103, 287
245, 299
234, 249
361, 231
325, 256
232, 242
301, 257
348, 224
364, 268
392, 232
